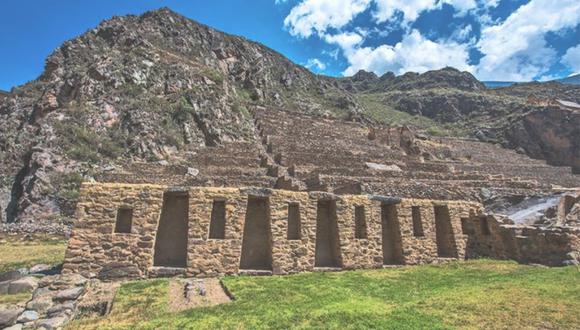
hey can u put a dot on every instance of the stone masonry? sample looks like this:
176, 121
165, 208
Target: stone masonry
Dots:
391, 234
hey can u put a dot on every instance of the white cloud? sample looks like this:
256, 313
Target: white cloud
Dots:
513, 49
386, 9
312, 16
462, 34
315, 64
331, 53
411, 9
346, 40
516, 49
462, 6
317, 16
413, 53
572, 58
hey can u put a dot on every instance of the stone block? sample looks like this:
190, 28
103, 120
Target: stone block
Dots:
9, 315
24, 284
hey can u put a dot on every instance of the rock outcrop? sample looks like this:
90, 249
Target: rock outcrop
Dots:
551, 133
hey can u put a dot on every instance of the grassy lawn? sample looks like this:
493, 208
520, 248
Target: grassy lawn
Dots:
17, 252
475, 294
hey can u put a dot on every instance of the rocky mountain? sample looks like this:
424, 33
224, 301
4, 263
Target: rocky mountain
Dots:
151, 87
521, 116
140, 87
572, 80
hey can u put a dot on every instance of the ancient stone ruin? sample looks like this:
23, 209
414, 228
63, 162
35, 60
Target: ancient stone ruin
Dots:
139, 230
313, 194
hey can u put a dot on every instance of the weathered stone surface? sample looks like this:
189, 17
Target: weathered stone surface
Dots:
24, 284
28, 316
52, 323
40, 304
40, 268
119, 270
60, 308
17, 326
13, 274
9, 314
4, 287
382, 167
59, 282
69, 294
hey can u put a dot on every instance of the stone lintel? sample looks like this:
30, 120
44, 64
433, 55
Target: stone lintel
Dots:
323, 196
257, 192
178, 190
387, 200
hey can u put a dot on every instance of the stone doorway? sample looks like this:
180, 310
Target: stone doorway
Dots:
327, 239
391, 236
257, 240
172, 232
446, 246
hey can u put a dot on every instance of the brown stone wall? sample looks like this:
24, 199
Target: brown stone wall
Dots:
96, 251
556, 246
423, 249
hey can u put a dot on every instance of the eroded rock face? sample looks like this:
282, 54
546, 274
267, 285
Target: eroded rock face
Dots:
549, 133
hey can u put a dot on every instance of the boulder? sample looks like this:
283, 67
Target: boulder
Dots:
13, 274
382, 167
4, 287
17, 326
52, 323
24, 284
192, 171
9, 315
28, 316
61, 282
69, 294
119, 270
40, 304
40, 269
60, 308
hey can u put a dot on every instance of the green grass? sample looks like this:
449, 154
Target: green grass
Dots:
475, 294
375, 108
17, 252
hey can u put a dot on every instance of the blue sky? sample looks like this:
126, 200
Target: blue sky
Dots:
515, 40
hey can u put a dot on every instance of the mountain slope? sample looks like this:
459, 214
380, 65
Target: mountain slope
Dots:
571, 80
143, 88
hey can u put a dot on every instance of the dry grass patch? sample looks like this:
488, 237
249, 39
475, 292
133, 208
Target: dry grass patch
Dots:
15, 299
18, 251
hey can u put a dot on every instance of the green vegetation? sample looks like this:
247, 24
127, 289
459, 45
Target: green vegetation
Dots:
385, 114
475, 294
213, 75
83, 143
17, 251
66, 185
181, 111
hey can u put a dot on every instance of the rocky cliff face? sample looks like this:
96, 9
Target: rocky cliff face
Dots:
551, 133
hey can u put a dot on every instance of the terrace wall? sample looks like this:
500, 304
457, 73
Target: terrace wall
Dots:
96, 250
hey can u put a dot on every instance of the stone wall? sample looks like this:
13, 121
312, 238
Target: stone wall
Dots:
95, 250
490, 237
